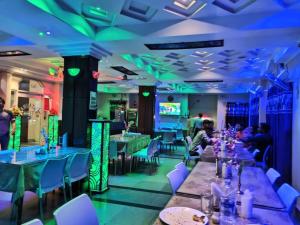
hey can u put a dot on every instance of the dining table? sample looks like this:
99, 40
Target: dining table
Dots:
260, 215
129, 143
19, 171
198, 183
238, 153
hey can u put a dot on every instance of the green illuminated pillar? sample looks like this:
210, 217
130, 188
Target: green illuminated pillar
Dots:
15, 140
53, 130
100, 137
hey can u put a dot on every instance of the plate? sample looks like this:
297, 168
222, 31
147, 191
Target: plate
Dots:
181, 216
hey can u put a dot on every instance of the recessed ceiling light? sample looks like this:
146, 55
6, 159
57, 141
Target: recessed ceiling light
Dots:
48, 33
185, 4
41, 34
13, 53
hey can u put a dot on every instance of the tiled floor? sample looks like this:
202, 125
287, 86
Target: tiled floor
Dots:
133, 199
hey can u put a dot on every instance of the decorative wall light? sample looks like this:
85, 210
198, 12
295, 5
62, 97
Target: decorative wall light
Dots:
146, 93
52, 71
73, 71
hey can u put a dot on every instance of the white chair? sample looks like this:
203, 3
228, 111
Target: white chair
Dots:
33, 222
183, 169
288, 195
51, 178
78, 211
77, 169
272, 175
187, 156
264, 162
175, 179
146, 153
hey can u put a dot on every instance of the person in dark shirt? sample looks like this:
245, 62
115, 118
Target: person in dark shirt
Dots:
6, 119
261, 140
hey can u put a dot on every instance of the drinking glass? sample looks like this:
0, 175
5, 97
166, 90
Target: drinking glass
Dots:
206, 203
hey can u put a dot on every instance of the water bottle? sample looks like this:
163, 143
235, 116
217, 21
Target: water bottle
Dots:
227, 204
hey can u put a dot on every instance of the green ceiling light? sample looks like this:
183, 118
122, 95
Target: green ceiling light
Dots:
52, 71
73, 71
41, 34
146, 93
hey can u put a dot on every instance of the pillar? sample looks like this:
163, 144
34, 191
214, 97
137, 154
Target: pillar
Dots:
146, 109
79, 97
262, 108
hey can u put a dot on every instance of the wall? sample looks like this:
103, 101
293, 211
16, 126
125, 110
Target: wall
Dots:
171, 121
221, 106
103, 103
3, 84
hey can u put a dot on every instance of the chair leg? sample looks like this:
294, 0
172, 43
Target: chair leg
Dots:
70, 190
65, 196
41, 208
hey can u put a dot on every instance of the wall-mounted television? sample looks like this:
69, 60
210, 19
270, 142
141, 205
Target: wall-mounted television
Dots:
169, 108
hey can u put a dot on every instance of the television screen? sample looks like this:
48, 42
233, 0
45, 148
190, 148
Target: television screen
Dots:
169, 108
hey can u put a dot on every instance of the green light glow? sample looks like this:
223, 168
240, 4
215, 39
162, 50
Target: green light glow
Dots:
139, 63
52, 71
146, 93
100, 137
15, 140
98, 11
53, 130
127, 57
41, 34
149, 69
73, 71
113, 34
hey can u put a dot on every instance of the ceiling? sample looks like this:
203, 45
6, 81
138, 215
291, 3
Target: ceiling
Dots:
116, 31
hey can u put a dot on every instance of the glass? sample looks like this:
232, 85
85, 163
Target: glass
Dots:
206, 203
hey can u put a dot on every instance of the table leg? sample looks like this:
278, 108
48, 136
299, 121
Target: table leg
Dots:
16, 214
123, 163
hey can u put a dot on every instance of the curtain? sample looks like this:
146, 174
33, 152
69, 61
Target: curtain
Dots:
279, 117
253, 111
237, 113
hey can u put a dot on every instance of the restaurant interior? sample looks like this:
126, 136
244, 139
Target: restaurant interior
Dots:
135, 112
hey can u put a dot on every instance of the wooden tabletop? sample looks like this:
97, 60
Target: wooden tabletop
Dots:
260, 216
254, 179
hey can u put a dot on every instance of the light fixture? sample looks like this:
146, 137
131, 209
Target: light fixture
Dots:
73, 71
13, 53
185, 4
146, 93
52, 71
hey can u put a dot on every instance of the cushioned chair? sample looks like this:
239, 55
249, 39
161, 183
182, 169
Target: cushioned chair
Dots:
288, 196
33, 222
183, 169
78, 211
77, 169
51, 178
175, 178
168, 140
272, 175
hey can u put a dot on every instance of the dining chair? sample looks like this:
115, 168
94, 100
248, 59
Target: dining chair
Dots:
146, 154
175, 179
288, 196
255, 152
168, 140
183, 169
113, 155
273, 175
78, 211
187, 157
51, 178
34, 222
264, 163
77, 169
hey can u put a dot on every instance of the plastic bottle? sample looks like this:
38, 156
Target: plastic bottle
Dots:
246, 204
227, 204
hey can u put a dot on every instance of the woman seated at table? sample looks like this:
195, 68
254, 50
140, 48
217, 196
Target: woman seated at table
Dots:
202, 138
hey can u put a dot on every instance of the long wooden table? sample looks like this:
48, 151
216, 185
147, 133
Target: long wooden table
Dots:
254, 179
260, 216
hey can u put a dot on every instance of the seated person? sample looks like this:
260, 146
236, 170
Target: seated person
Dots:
239, 132
132, 127
202, 138
260, 141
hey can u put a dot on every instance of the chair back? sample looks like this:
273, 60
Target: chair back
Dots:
78, 211
52, 175
288, 195
179, 135
175, 179
155, 145
266, 154
168, 136
255, 152
113, 150
78, 167
183, 169
33, 222
150, 148
64, 140
272, 175
189, 140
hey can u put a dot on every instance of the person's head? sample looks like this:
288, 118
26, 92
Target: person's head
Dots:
200, 115
2, 103
264, 128
254, 129
206, 124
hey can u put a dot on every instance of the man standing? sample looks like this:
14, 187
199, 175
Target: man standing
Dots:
6, 119
198, 124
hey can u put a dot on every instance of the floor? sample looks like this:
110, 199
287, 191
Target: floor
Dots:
135, 198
